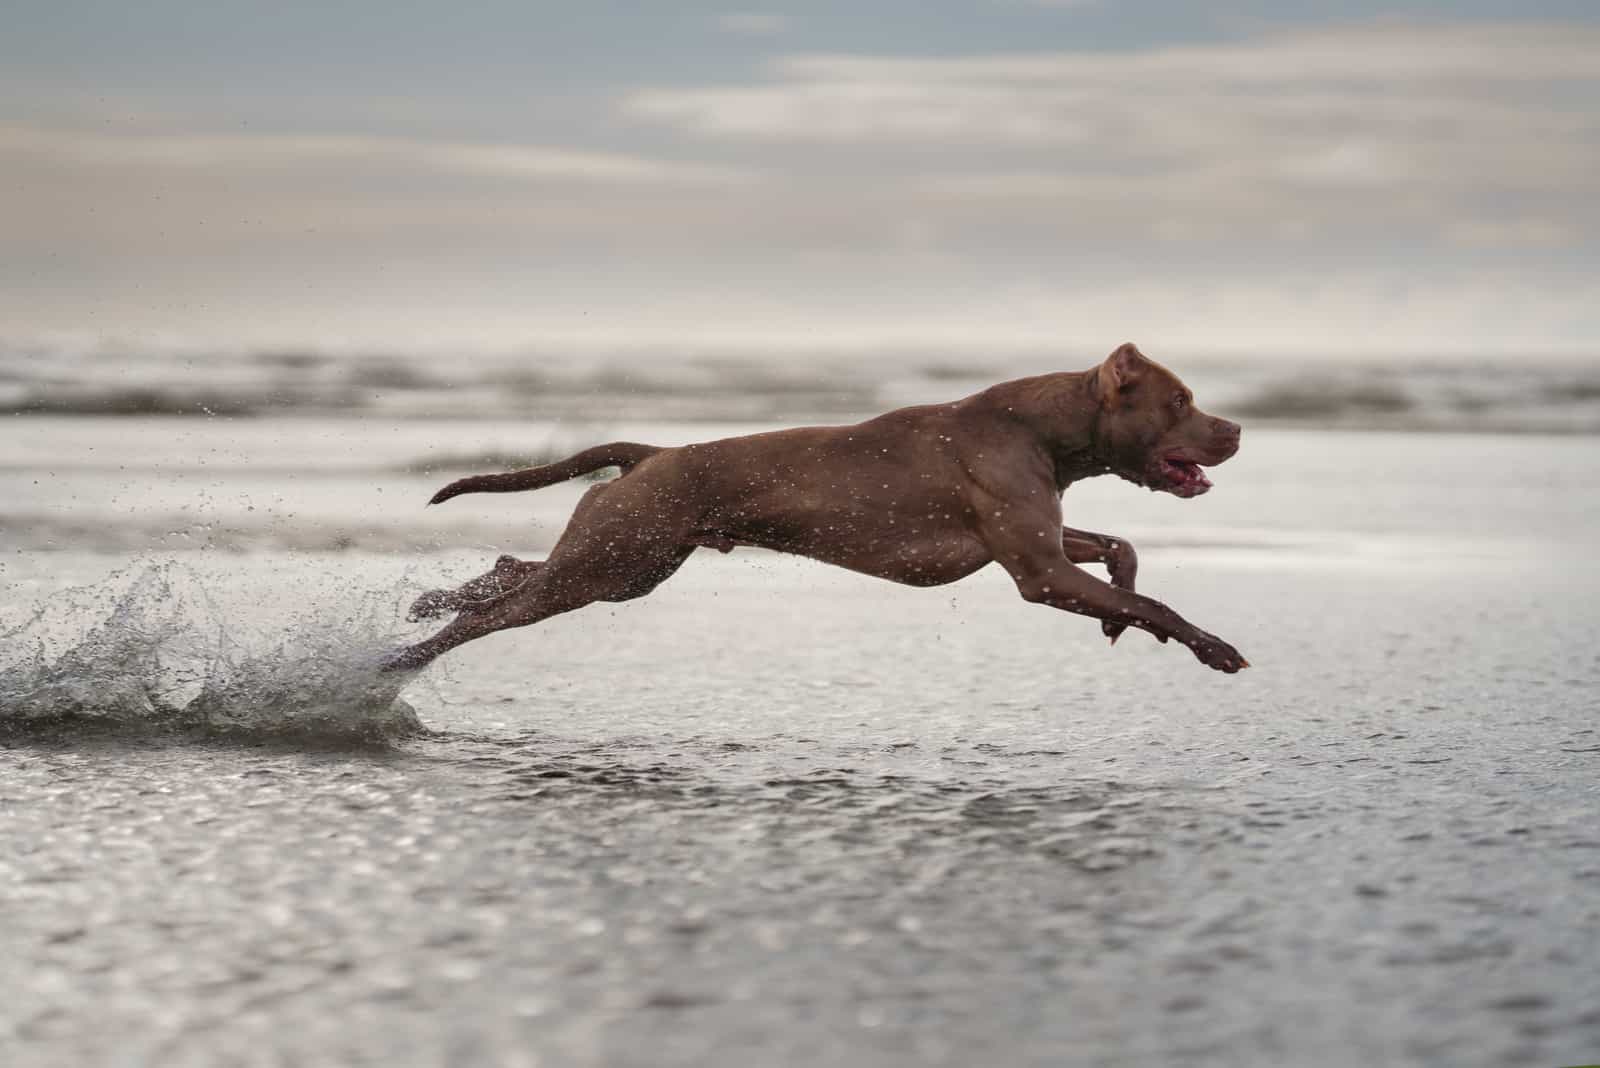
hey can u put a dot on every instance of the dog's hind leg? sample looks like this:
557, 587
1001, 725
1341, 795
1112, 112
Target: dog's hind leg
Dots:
563, 584
508, 574
613, 560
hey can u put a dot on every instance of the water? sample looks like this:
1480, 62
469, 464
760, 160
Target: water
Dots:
151, 649
64, 376
776, 813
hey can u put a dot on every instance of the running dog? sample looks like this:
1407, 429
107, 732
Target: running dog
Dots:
922, 496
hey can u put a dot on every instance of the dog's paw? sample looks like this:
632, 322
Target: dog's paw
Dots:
1215, 653
430, 605
406, 659
1122, 564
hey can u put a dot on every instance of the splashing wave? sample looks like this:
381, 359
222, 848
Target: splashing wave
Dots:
150, 649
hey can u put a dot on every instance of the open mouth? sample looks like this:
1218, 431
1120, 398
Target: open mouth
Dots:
1183, 477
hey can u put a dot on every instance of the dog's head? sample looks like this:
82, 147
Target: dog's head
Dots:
1149, 431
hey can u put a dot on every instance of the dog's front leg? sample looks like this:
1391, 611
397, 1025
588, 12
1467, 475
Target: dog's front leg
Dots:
1121, 563
1023, 540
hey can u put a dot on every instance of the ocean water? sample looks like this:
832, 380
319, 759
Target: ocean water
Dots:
780, 814
64, 376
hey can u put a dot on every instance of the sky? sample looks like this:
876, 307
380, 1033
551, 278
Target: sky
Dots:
1335, 179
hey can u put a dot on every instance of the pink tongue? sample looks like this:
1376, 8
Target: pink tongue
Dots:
1190, 472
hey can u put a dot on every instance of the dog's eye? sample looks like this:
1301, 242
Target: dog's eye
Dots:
1180, 402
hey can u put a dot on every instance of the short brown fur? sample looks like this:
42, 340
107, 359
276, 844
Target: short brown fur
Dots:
921, 496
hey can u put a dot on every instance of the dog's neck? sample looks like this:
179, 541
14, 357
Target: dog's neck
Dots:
1062, 411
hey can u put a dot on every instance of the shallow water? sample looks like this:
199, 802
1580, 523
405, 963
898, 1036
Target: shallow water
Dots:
776, 813
788, 385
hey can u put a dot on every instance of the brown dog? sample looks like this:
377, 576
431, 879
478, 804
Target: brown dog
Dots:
923, 496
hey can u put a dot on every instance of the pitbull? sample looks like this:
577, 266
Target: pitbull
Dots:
922, 496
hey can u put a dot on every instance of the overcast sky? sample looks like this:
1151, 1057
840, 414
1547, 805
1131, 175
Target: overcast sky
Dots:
1273, 175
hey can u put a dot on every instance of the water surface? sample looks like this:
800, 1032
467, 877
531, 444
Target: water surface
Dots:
777, 813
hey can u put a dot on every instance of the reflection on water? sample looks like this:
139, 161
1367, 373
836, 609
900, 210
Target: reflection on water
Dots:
1093, 824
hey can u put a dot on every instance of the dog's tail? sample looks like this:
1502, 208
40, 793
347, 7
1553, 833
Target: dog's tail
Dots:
623, 454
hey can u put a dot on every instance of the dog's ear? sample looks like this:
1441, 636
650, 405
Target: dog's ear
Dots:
1121, 371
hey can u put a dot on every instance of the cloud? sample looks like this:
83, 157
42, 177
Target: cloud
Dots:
1401, 79
1430, 124
214, 152
1379, 186
1531, 232
409, 302
1382, 51
753, 23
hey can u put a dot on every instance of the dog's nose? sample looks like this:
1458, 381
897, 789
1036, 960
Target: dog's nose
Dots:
1226, 429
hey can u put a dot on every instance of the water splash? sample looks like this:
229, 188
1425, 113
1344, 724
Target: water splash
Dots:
153, 648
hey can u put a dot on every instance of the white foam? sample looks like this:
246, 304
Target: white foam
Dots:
150, 649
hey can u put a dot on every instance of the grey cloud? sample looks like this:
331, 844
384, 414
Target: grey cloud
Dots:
1467, 129
1381, 50
1384, 186
212, 151
753, 23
